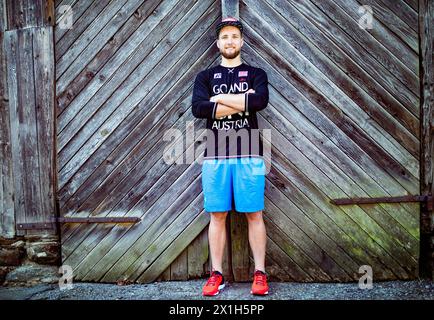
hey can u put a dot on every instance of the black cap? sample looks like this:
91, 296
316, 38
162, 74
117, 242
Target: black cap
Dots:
229, 21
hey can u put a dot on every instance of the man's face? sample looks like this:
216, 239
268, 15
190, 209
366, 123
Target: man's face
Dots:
230, 42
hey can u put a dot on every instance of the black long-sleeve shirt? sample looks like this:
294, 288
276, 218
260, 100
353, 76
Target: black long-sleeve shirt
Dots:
236, 135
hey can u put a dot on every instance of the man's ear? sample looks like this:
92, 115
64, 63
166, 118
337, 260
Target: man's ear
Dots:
217, 43
242, 42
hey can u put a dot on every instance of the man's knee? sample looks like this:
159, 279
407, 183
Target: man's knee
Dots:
254, 217
219, 216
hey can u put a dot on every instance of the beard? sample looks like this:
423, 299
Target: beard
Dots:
232, 55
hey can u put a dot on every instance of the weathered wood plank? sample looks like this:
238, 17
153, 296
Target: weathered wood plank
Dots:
88, 51
23, 125
29, 13
387, 120
165, 275
7, 212
96, 28
68, 9
118, 237
179, 267
80, 26
176, 246
198, 252
385, 36
131, 92
394, 66
407, 96
331, 218
132, 119
282, 252
295, 244
342, 121
297, 109
123, 39
426, 25
388, 18
166, 227
380, 215
298, 126
414, 4
162, 223
239, 246
404, 12
120, 65
43, 57
149, 190
230, 8
360, 216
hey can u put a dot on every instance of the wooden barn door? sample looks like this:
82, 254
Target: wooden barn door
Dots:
124, 72
344, 114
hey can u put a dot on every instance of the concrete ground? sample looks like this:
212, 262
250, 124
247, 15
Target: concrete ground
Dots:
191, 290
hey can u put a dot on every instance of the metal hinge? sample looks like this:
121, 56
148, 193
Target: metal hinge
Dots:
52, 223
426, 199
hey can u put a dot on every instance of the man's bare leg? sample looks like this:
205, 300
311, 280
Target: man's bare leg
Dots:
257, 238
217, 239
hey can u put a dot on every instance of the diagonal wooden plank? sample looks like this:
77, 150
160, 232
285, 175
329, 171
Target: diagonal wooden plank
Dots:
105, 36
175, 248
153, 167
397, 69
114, 246
306, 110
380, 215
327, 217
323, 102
404, 12
84, 39
292, 260
353, 49
297, 127
157, 237
124, 62
123, 40
320, 264
356, 92
384, 36
361, 217
80, 26
140, 109
388, 18
148, 201
141, 87
73, 9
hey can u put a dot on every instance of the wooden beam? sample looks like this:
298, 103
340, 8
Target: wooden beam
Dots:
29, 13
426, 36
7, 211
230, 8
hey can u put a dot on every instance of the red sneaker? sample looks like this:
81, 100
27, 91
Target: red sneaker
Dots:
214, 284
260, 285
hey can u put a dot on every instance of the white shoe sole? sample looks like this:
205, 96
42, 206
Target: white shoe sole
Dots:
220, 288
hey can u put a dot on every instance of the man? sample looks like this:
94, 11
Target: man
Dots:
228, 96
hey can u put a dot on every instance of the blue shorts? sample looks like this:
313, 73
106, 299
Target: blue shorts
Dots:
239, 179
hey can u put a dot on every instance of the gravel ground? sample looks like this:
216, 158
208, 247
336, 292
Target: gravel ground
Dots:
191, 290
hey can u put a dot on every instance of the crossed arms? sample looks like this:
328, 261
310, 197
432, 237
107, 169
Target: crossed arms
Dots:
228, 104
205, 106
